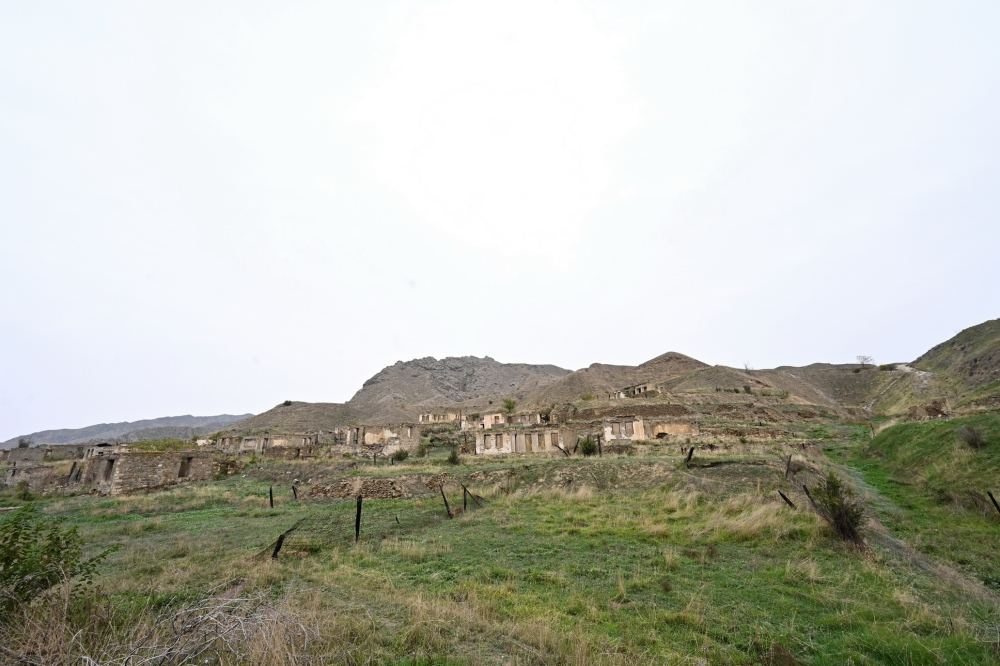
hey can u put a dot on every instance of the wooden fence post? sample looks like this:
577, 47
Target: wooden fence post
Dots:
465, 499
270, 495
787, 501
809, 495
788, 465
994, 499
600, 452
687, 461
445, 498
357, 521
281, 538
295, 492
475, 498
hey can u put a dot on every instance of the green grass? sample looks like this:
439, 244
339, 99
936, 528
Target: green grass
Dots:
937, 487
635, 561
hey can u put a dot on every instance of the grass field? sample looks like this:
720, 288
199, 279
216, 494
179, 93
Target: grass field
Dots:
619, 560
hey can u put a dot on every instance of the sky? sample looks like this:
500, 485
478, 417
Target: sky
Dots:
211, 207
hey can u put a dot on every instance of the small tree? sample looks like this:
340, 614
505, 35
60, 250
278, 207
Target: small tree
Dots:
865, 360
588, 446
453, 458
399, 455
37, 553
23, 442
836, 504
509, 405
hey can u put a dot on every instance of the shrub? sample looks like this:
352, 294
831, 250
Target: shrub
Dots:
588, 446
400, 455
836, 504
421, 450
37, 553
287, 403
972, 437
453, 458
23, 492
509, 405
587, 397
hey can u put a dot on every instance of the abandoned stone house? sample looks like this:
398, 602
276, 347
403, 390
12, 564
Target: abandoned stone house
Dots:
294, 445
520, 440
112, 472
629, 428
634, 429
385, 439
634, 391
495, 419
442, 416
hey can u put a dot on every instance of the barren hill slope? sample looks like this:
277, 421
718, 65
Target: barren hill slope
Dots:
402, 390
599, 379
291, 417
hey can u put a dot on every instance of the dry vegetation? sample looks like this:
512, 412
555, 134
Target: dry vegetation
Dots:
613, 560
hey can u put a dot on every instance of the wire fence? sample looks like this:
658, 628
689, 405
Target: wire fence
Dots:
348, 521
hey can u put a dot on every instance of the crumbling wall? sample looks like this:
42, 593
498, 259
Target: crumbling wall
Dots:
498, 441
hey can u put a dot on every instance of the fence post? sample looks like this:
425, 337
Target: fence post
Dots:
788, 465
465, 499
357, 521
787, 501
600, 452
445, 498
687, 461
270, 495
277, 546
295, 492
997, 505
809, 495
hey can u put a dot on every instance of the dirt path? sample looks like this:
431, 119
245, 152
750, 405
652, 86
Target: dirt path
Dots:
880, 535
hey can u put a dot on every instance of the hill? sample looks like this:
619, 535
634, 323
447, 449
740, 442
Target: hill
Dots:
402, 390
160, 428
600, 379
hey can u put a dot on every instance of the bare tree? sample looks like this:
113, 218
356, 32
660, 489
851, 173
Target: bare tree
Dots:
865, 360
748, 367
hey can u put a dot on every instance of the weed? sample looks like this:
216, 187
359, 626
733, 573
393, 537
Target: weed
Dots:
972, 437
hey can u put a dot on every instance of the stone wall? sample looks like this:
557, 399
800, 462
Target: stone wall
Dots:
120, 473
498, 441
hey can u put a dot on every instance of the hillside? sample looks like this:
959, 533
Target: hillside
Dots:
160, 428
963, 372
297, 417
600, 379
967, 367
400, 391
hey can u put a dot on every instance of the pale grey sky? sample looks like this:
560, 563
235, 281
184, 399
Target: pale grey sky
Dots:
214, 206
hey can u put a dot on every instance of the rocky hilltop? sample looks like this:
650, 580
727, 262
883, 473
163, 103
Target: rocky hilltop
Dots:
402, 390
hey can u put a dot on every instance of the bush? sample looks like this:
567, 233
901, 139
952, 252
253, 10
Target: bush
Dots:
37, 553
287, 403
23, 492
421, 450
588, 446
836, 504
453, 458
400, 455
972, 437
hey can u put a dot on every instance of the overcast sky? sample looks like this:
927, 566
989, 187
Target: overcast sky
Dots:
212, 207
